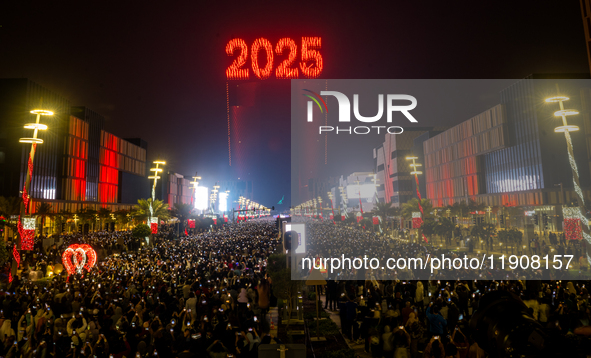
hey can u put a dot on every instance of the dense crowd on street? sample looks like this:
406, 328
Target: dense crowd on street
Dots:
326, 240
203, 295
208, 295
399, 317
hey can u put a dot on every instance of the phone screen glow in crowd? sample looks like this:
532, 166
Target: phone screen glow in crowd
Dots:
262, 59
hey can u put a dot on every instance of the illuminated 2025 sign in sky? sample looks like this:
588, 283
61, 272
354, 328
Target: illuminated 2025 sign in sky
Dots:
262, 59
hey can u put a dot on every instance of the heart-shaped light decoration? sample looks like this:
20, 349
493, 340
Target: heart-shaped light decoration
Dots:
78, 257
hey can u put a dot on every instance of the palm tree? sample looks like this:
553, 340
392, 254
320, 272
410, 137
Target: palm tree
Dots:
413, 206
385, 211
123, 217
445, 229
60, 219
459, 209
182, 212
104, 214
86, 216
475, 206
141, 211
44, 210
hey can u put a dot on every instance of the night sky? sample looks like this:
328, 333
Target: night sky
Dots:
156, 70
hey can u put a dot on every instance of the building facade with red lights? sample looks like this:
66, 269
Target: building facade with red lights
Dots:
510, 155
79, 164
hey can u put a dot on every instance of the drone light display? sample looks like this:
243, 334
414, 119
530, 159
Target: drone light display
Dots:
76, 258
310, 64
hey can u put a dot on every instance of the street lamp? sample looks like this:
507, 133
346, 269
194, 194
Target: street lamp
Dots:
25, 233
75, 217
330, 196
566, 129
416, 173
156, 171
194, 185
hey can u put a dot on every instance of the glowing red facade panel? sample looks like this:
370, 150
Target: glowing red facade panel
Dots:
109, 168
285, 70
235, 71
260, 44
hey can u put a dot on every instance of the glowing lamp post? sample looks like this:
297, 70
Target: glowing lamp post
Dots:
194, 185
570, 213
330, 197
414, 165
153, 220
27, 234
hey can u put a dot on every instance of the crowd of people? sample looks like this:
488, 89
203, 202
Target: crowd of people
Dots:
327, 240
208, 294
202, 295
393, 315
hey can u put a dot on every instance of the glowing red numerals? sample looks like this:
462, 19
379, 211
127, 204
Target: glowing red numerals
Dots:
256, 46
234, 72
310, 47
311, 63
284, 69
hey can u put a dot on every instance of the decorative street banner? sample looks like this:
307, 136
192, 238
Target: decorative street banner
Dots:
376, 220
573, 229
154, 225
27, 232
417, 220
191, 223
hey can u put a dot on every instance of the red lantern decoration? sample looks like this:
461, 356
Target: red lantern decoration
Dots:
376, 220
331, 216
342, 217
191, 223
215, 221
